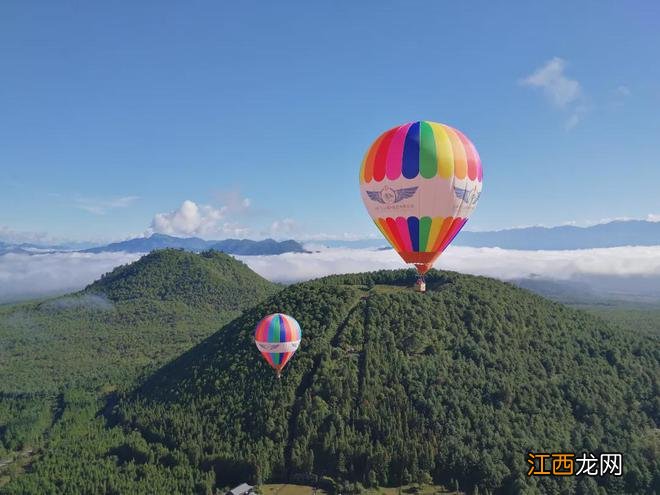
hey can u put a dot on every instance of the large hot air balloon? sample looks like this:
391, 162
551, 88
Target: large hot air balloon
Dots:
420, 181
277, 337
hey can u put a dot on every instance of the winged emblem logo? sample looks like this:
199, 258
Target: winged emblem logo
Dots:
388, 196
469, 197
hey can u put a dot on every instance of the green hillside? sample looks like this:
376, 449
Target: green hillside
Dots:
106, 337
136, 317
452, 387
392, 386
210, 279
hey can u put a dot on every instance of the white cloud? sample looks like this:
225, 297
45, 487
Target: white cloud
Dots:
206, 221
575, 117
653, 217
623, 91
551, 79
190, 219
493, 262
102, 206
233, 201
563, 92
283, 227
619, 96
232, 229
24, 276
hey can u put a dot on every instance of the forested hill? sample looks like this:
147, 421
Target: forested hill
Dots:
63, 360
211, 279
131, 320
391, 386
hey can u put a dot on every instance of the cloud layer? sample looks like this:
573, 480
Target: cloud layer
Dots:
493, 262
24, 276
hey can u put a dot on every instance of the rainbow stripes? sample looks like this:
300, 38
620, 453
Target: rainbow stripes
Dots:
421, 148
280, 333
419, 235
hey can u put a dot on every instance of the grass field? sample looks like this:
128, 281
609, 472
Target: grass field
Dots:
284, 489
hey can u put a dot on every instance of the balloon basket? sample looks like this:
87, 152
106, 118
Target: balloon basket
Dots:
420, 285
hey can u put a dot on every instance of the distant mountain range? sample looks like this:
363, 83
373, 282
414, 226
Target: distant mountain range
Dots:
245, 247
612, 234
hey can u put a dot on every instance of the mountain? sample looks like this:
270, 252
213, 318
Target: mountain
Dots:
612, 234
247, 247
391, 386
133, 319
151, 243
211, 279
195, 244
64, 360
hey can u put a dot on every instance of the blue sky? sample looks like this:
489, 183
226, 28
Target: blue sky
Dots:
258, 114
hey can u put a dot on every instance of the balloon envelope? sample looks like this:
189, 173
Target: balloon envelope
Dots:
277, 337
420, 182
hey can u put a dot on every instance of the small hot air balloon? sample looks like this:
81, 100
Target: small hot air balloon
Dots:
419, 182
277, 337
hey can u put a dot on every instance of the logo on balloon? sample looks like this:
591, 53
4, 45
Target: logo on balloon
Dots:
469, 197
388, 196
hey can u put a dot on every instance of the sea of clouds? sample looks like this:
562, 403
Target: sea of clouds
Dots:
28, 276
504, 264
24, 276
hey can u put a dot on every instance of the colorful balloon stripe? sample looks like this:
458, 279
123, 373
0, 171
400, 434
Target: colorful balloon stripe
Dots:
421, 148
444, 227
444, 151
471, 162
380, 157
420, 235
428, 161
413, 230
424, 231
410, 165
395, 152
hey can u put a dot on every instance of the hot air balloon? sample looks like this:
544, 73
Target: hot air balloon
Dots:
420, 182
277, 337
